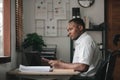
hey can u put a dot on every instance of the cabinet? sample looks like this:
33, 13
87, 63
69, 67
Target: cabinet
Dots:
48, 52
101, 45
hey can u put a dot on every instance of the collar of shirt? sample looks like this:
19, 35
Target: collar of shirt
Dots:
81, 37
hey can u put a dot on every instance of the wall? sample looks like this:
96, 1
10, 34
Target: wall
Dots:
95, 13
8, 66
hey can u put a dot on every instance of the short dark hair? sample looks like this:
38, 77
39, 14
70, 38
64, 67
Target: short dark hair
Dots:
78, 21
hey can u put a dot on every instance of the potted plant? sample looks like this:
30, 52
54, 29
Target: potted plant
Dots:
34, 41
32, 46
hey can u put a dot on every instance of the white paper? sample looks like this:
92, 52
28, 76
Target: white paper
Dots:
51, 27
34, 68
40, 9
59, 7
40, 24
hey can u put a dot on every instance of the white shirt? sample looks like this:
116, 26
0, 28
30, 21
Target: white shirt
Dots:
87, 52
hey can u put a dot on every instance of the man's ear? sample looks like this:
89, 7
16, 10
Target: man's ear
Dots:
80, 28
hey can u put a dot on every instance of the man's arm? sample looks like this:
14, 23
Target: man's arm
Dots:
76, 66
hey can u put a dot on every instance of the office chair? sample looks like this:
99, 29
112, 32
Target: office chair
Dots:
112, 60
106, 69
111, 65
101, 72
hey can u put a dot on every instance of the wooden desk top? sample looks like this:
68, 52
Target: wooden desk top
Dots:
59, 73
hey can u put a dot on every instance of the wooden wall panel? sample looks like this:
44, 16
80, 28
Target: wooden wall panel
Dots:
7, 28
113, 22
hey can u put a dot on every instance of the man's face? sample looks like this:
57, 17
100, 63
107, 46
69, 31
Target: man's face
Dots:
74, 30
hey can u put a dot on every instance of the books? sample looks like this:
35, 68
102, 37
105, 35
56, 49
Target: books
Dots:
23, 68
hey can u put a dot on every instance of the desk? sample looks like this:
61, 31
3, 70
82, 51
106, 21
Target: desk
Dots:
41, 75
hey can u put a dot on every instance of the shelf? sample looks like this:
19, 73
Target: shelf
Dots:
48, 53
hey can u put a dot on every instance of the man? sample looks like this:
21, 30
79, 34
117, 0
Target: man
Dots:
86, 55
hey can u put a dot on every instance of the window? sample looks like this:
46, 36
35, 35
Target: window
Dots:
4, 31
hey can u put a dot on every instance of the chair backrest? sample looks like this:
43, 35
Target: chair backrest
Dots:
101, 72
111, 65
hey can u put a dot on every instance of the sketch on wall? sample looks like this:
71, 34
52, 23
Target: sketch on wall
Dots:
40, 26
59, 9
50, 12
40, 9
51, 28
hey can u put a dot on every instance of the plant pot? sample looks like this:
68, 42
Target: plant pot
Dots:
33, 58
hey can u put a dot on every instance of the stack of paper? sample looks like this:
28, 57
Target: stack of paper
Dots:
34, 68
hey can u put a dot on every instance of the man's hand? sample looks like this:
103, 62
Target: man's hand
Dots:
53, 63
45, 59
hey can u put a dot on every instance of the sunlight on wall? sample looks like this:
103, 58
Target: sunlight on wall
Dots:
1, 27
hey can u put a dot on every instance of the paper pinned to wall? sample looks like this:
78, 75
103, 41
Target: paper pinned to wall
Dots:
40, 25
51, 28
51, 11
40, 9
59, 9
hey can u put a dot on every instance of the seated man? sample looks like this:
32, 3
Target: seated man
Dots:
86, 55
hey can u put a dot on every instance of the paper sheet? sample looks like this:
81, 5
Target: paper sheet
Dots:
34, 68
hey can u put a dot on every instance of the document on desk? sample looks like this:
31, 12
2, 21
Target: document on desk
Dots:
23, 68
